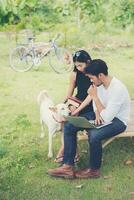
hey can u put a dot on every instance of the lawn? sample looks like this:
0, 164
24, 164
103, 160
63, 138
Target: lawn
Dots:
23, 156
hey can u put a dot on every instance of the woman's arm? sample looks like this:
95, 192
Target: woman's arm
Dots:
83, 105
71, 87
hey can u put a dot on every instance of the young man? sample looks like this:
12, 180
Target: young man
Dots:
111, 104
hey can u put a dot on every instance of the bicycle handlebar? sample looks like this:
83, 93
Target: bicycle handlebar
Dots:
56, 37
31, 38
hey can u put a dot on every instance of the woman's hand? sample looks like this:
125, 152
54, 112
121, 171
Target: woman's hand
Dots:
74, 113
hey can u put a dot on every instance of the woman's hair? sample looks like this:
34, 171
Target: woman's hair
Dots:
81, 56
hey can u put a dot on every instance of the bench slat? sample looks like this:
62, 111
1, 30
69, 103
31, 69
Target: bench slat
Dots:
128, 133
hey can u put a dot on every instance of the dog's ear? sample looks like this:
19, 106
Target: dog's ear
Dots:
53, 109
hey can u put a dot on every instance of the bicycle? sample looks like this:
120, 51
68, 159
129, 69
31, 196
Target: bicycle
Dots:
24, 57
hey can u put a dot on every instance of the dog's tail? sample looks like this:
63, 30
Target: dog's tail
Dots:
42, 96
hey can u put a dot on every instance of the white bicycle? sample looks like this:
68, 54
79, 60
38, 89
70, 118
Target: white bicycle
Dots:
24, 57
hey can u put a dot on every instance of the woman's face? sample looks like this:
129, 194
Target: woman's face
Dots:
80, 66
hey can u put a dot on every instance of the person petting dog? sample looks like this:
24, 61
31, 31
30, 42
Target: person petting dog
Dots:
81, 83
111, 104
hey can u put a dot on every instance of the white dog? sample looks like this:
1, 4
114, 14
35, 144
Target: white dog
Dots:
51, 115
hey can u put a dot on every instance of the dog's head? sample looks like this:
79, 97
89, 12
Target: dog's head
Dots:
60, 110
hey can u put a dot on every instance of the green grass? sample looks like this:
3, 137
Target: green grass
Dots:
23, 156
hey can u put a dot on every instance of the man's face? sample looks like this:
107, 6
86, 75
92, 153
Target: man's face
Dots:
95, 80
80, 66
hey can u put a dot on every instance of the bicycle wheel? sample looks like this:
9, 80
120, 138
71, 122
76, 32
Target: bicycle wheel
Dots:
21, 59
60, 59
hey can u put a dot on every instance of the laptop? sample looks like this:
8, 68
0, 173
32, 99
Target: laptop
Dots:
84, 123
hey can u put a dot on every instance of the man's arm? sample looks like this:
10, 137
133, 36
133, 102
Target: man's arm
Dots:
114, 103
98, 104
93, 93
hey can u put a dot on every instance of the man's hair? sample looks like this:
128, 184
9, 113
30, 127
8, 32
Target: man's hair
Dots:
96, 67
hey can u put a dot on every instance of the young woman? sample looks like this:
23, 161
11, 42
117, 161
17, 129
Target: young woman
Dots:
81, 83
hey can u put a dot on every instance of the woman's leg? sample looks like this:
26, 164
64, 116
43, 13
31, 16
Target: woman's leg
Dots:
60, 154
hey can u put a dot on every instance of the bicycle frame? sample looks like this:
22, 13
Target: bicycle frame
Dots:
32, 54
34, 48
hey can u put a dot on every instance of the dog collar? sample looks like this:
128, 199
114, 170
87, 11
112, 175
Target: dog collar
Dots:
56, 119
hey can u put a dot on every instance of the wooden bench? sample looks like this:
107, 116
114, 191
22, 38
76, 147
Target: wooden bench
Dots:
128, 133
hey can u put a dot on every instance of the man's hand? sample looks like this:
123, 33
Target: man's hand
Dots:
98, 118
99, 121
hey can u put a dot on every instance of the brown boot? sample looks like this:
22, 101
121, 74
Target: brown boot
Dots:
65, 171
88, 173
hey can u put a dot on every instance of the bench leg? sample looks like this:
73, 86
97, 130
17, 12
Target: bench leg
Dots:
108, 142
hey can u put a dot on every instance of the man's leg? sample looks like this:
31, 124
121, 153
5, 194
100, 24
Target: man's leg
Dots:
70, 139
95, 138
70, 145
97, 135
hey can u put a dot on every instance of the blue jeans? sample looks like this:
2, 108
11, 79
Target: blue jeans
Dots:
95, 138
70, 139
